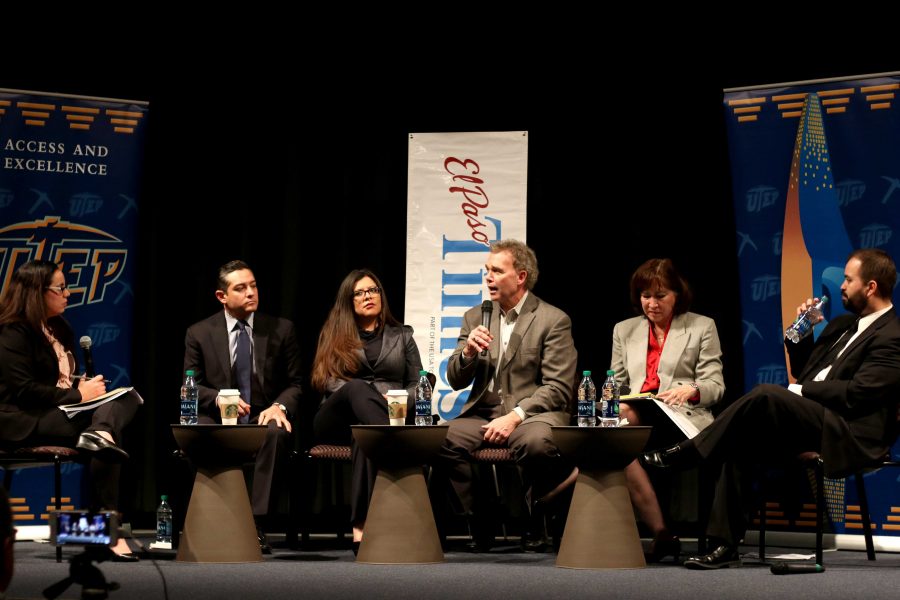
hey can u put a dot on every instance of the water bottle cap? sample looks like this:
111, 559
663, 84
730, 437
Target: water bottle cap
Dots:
164, 497
423, 372
189, 372
586, 373
610, 373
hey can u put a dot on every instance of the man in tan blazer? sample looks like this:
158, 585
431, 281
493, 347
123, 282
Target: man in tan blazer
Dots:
522, 384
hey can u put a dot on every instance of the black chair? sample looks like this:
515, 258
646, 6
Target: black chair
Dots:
813, 461
39, 456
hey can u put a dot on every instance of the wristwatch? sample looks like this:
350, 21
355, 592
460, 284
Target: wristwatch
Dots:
694, 385
281, 406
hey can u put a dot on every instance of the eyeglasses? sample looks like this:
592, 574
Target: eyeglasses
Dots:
372, 291
59, 289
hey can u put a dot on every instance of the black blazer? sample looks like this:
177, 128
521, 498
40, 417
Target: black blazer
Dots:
28, 375
398, 364
276, 357
860, 393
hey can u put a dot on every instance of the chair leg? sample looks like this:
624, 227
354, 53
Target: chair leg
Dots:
57, 490
293, 494
762, 517
866, 519
820, 509
499, 500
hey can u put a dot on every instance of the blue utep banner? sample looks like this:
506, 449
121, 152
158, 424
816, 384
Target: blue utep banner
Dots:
69, 181
816, 174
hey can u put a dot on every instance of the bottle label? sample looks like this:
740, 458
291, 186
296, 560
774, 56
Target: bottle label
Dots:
164, 528
585, 409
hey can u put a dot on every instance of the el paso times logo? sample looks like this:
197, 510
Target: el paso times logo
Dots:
54, 157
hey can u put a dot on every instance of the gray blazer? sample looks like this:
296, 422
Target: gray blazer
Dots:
538, 368
691, 354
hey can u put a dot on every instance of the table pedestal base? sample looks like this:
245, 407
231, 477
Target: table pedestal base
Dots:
219, 525
400, 526
601, 532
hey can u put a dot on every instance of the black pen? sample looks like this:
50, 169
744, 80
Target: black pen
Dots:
105, 381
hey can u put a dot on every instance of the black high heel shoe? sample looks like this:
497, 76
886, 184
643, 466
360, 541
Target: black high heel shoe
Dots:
663, 545
355, 548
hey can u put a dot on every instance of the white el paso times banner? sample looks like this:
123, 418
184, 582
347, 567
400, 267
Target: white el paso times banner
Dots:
465, 191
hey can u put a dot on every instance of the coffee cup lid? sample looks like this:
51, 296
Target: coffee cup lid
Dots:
229, 392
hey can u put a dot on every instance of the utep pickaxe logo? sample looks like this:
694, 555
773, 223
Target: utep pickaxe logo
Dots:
91, 258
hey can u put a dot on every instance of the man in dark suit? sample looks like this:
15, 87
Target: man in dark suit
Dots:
257, 354
844, 405
521, 386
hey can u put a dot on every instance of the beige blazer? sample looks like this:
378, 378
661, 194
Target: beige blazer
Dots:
537, 372
691, 354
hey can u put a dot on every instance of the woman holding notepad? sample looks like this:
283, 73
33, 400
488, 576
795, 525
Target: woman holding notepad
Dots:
674, 355
38, 375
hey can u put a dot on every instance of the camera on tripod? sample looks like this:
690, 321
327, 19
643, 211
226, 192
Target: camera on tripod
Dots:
96, 531
84, 527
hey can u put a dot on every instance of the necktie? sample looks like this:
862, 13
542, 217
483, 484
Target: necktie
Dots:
243, 365
839, 345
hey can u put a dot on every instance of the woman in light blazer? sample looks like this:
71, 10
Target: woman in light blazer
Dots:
363, 352
675, 355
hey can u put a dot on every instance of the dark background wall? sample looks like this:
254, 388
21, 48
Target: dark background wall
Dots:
295, 161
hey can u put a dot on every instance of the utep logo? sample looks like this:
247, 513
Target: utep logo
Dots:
775, 374
6, 197
91, 258
760, 197
764, 287
103, 333
84, 204
850, 191
776, 243
874, 235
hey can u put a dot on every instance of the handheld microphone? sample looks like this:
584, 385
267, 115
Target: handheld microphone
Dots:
487, 307
85, 343
783, 568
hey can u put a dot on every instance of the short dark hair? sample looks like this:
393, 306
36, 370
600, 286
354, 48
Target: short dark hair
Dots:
661, 272
878, 266
228, 268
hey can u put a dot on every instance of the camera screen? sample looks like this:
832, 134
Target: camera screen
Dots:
83, 528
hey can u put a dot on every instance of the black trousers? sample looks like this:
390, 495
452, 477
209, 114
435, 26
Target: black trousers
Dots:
357, 402
267, 472
768, 425
54, 428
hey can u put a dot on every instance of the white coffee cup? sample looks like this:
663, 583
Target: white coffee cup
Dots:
228, 401
396, 401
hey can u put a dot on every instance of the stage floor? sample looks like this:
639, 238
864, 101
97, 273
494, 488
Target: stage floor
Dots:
329, 571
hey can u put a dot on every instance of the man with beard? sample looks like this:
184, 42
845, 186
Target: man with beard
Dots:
843, 406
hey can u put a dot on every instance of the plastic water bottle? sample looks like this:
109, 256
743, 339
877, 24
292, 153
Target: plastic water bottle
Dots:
164, 521
801, 327
189, 397
587, 399
423, 400
609, 417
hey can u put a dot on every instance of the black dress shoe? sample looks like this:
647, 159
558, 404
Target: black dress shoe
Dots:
103, 448
482, 536
127, 557
663, 545
355, 548
676, 456
264, 546
721, 557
